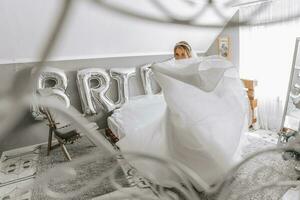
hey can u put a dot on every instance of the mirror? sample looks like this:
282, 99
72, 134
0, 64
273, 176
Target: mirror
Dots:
290, 126
291, 115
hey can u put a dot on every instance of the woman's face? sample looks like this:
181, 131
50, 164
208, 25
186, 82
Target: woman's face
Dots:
180, 53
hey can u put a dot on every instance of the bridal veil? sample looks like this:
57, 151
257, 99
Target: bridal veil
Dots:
198, 120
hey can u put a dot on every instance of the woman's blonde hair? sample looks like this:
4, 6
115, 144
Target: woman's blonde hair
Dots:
185, 46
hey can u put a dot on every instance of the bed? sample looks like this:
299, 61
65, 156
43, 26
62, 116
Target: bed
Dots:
116, 127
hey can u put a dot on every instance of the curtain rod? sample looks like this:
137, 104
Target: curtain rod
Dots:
252, 3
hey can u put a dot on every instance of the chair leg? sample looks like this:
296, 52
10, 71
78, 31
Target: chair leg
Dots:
66, 153
49, 141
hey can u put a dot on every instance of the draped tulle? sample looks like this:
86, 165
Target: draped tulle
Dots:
199, 120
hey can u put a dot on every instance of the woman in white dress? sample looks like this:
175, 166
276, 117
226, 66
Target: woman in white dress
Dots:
182, 50
198, 120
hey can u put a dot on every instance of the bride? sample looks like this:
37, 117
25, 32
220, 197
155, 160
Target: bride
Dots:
198, 120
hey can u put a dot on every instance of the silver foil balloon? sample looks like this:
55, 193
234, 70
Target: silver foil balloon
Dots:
146, 73
53, 78
122, 76
93, 83
61, 95
148, 79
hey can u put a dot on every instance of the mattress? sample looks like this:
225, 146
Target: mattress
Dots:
136, 114
115, 127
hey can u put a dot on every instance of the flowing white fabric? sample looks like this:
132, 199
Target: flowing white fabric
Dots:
199, 119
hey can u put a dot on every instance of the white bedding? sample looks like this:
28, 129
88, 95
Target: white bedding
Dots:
198, 121
140, 111
115, 127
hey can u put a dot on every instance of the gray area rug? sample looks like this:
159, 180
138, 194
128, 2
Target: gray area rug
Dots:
262, 169
85, 172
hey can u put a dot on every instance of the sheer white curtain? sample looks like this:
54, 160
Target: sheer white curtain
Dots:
266, 54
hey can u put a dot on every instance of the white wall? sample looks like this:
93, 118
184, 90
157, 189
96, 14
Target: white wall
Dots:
233, 32
267, 56
112, 39
91, 31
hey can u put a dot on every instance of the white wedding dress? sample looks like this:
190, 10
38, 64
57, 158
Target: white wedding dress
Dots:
198, 120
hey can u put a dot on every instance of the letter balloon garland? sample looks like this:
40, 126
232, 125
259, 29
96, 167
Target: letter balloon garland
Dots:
94, 83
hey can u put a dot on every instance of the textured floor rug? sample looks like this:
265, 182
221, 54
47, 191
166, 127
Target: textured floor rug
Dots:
85, 172
262, 169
